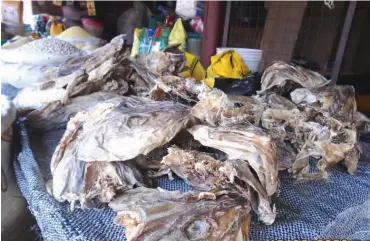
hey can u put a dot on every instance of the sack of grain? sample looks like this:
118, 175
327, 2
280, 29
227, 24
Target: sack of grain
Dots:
48, 51
81, 39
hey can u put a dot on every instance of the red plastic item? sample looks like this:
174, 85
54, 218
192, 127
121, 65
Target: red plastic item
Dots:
157, 33
89, 21
93, 27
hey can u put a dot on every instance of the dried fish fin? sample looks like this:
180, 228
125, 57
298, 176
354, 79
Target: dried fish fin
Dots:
153, 214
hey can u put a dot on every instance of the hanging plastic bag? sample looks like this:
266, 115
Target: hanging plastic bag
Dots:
227, 64
186, 8
178, 35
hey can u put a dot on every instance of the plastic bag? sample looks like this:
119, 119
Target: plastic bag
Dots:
186, 8
135, 45
227, 64
246, 87
132, 18
178, 35
194, 68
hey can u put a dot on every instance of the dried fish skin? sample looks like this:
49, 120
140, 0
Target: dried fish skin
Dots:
156, 214
282, 78
217, 108
55, 114
336, 101
247, 143
119, 132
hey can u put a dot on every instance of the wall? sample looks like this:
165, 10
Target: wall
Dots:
281, 30
357, 55
320, 32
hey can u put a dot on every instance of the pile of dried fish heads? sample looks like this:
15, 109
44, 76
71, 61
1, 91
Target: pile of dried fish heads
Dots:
124, 117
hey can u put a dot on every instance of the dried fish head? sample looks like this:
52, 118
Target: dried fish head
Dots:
331, 143
203, 172
175, 85
161, 63
115, 49
77, 76
76, 180
55, 114
156, 214
282, 78
246, 143
336, 101
216, 108
122, 131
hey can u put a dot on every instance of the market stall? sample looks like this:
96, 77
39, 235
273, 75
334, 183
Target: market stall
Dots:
131, 138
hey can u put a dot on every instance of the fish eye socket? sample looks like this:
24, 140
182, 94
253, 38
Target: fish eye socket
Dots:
198, 229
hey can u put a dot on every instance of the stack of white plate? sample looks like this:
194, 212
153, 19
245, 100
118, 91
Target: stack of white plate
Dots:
251, 57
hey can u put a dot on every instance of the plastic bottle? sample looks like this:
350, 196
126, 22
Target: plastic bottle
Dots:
169, 16
144, 42
158, 42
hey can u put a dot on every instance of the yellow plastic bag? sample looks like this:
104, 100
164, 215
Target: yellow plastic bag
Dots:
178, 35
194, 68
135, 44
227, 64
